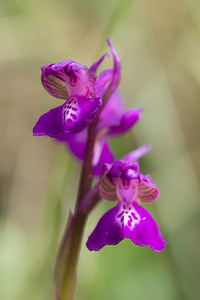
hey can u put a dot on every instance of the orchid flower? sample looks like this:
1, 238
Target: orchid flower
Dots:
79, 87
123, 182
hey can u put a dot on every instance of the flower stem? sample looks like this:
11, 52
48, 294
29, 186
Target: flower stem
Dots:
68, 257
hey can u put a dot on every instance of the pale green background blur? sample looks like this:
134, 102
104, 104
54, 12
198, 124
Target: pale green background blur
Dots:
158, 42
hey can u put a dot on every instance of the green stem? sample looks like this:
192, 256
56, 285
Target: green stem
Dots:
69, 257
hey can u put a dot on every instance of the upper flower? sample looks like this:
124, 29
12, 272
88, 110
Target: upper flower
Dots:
80, 87
123, 182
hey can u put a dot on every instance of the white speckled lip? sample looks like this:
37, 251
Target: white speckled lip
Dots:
71, 110
127, 216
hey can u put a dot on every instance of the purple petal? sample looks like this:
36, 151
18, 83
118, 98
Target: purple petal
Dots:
133, 222
116, 69
107, 190
107, 231
79, 112
50, 123
106, 168
68, 78
125, 122
104, 77
116, 170
114, 107
143, 230
96, 65
147, 191
136, 154
71, 117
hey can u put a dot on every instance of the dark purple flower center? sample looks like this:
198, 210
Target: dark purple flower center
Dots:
126, 171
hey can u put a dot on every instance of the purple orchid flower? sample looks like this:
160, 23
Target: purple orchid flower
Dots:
123, 182
113, 121
80, 87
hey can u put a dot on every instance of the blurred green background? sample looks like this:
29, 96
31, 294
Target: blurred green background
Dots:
158, 42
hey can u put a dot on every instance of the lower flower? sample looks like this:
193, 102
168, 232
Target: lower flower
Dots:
123, 182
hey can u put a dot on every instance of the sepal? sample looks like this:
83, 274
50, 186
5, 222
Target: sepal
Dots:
68, 78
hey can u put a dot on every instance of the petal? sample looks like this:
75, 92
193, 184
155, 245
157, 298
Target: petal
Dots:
68, 78
107, 231
136, 154
50, 123
96, 65
71, 117
79, 112
147, 191
125, 122
133, 222
54, 83
139, 226
114, 117
106, 156
104, 77
116, 68
113, 107
107, 190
